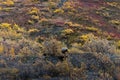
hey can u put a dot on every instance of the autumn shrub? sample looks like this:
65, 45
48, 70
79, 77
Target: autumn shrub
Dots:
92, 29
10, 27
78, 73
100, 46
13, 35
22, 49
118, 44
86, 37
5, 25
52, 47
8, 3
71, 24
1, 48
117, 73
116, 22
3, 63
113, 4
31, 22
44, 69
29, 48
34, 14
68, 5
52, 4
44, 22
33, 11
59, 11
8, 73
11, 31
67, 32
93, 62
75, 48
34, 17
63, 68
0, 8
33, 32
8, 49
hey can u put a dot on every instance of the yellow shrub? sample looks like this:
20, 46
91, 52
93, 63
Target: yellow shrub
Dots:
67, 31
106, 14
114, 4
101, 8
76, 25
109, 37
33, 30
92, 28
12, 52
67, 5
52, 4
35, 17
0, 8
35, 1
8, 3
11, 34
75, 48
86, 37
1, 48
58, 11
30, 21
5, 25
69, 23
10, 27
33, 10
16, 27
117, 22
44, 21
7, 9
72, 24
118, 44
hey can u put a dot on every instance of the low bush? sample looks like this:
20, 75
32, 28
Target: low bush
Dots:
52, 47
100, 46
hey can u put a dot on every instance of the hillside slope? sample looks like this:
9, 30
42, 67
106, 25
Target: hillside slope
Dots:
59, 40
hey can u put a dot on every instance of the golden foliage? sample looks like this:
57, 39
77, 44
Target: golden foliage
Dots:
0, 8
5, 25
86, 37
12, 52
30, 21
52, 4
8, 3
69, 23
1, 48
9, 70
118, 44
16, 27
59, 11
92, 29
35, 17
114, 4
33, 10
117, 22
67, 5
67, 31
52, 47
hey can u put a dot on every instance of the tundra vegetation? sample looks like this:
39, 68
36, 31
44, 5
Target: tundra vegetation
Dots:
59, 40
